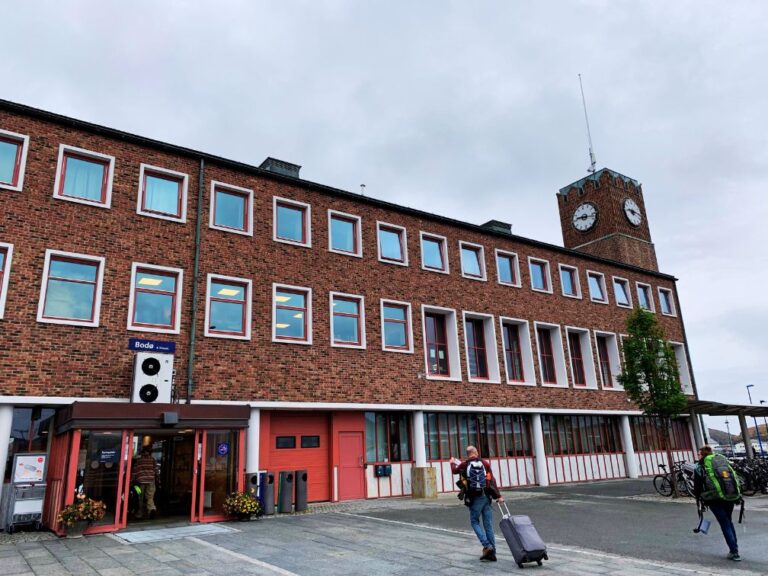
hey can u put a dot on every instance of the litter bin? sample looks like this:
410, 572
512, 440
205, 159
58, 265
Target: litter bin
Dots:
267, 492
285, 492
301, 490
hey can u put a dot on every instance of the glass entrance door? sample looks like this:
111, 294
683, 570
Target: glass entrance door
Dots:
217, 472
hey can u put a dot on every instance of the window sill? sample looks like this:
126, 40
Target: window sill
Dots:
64, 322
231, 230
293, 242
153, 330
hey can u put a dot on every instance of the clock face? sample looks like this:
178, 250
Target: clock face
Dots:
584, 217
632, 212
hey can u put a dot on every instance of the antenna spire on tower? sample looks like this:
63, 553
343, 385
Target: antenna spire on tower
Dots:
592, 160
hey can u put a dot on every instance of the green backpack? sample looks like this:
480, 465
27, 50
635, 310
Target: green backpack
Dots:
720, 481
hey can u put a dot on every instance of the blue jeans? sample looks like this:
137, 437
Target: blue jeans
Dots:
723, 512
481, 506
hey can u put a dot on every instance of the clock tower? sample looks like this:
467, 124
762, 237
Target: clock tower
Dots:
603, 214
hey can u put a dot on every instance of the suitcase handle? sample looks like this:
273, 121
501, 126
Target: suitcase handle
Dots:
505, 513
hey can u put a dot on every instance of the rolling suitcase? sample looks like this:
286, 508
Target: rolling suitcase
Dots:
524, 542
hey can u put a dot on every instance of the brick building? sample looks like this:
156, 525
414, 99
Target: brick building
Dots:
310, 328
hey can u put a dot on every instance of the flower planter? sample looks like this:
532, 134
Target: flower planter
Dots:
76, 531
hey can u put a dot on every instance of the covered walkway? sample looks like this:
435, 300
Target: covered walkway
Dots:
711, 408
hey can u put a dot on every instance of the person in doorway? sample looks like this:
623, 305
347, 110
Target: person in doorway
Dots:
715, 485
145, 474
480, 488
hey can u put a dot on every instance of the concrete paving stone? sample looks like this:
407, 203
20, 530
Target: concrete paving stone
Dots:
121, 571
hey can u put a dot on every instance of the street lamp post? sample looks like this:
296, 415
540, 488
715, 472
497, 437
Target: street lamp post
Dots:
730, 440
757, 429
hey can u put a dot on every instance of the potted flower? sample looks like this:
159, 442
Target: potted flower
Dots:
243, 505
80, 514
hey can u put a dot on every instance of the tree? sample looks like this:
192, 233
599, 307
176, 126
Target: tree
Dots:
650, 375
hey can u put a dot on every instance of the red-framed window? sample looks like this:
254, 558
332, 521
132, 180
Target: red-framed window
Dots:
604, 360
396, 326
163, 193
495, 435
392, 245
540, 275
433, 256
575, 435
84, 177
506, 267
347, 320
472, 265
546, 355
292, 222
577, 359
155, 298
4, 250
647, 434
71, 290
387, 437
12, 149
477, 355
231, 208
514, 353
291, 314
437, 344
344, 233
228, 307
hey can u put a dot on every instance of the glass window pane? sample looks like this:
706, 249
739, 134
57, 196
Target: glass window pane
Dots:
2, 260
389, 244
445, 450
537, 276
226, 316
73, 270
642, 297
432, 253
342, 234
65, 299
405, 436
290, 223
620, 288
159, 282
470, 261
394, 313
83, 178
293, 299
382, 438
431, 431
394, 334
230, 210
345, 329
289, 323
228, 291
505, 269
156, 309
370, 437
345, 306
595, 288
8, 154
162, 195
566, 278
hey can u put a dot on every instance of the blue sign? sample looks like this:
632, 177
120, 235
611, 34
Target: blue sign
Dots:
222, 449
151, 346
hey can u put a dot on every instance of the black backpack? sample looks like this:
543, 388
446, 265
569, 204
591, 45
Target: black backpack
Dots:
477, 477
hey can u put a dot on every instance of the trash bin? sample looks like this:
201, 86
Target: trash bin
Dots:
285, 492
301, 490
267, 492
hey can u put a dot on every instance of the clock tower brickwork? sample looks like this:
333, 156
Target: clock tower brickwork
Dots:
612, 235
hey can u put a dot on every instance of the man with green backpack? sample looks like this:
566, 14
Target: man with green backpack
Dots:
716, 486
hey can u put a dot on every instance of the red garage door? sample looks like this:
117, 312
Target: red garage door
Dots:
301, 442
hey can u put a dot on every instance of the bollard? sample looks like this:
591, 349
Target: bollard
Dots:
267, 493
285, 492
301, 490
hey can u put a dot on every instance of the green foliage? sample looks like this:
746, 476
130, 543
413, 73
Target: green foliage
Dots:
650, 376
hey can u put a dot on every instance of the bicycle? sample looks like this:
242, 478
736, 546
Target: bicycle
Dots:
684, 479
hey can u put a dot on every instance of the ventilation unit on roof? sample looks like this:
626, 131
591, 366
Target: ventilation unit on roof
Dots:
280, 167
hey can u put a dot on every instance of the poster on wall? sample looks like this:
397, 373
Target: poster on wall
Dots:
29, 468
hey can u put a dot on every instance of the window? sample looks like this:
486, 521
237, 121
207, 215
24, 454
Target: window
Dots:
13, 160
387, 437
507, 268
667, 302
518, 358
472, 261
551, 357
495, 435
344, 234
608, 359
441, 343
597, 291
396, 333
71, 289
577, 361
84, 176
292, 222
155, 303
310, 441
162, 194
291, 314
285, 442
348, 321
480, 347
645, 297
433, 254
231, 209
228, 308
582, 364
6, 255
621, 292
540, 281
569, 281
575, 435
392, 244
682, 367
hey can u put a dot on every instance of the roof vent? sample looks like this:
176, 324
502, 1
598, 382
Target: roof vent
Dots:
280, 167
498, 226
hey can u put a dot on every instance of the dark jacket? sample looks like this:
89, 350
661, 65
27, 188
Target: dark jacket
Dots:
491, 489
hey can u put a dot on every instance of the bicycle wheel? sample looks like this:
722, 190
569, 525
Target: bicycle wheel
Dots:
662, 484
684, 488
748, 484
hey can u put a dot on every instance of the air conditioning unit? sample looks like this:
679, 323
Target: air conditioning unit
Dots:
152, 378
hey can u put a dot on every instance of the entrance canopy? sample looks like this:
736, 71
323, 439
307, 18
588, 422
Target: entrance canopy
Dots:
712, 408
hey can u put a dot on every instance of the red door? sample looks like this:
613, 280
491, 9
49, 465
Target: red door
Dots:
351, 471
300, 441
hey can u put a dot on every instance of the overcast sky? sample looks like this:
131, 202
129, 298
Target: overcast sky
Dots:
469, 110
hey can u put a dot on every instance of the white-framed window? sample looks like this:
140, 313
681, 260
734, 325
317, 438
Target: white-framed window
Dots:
396, 326
581, 359
569, 281
6, 257
71, 289
682, 367
507, 268
155, 299
480, 347
472, 261
228, 307
231, 209
392, 242
13, 160
597, 290
541, 280
549, 342
608, 361
84, 176
345, 235
292, 222
162, 193
667, 302
645, 297
441, 343
347, 320
434, 253
518, 352
621, 292
291, 314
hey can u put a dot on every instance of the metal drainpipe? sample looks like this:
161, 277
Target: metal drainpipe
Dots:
191, 361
